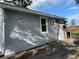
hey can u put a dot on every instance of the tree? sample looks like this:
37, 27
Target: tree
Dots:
72, 22
21, 3
77, 1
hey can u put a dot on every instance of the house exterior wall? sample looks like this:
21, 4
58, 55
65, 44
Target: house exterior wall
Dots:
22, 31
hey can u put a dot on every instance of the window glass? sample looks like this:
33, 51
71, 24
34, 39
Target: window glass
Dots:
43, 24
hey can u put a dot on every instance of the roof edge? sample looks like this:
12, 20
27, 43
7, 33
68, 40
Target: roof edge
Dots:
12, 7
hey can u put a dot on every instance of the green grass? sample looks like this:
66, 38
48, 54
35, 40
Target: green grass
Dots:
74, 35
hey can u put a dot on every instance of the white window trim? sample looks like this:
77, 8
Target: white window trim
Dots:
46, 25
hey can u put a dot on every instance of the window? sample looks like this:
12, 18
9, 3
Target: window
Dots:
64, 26
53, 22
43, 25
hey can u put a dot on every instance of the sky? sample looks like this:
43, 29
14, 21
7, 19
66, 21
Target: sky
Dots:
64, 8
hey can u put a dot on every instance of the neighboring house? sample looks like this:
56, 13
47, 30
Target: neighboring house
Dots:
73, 31
22, 29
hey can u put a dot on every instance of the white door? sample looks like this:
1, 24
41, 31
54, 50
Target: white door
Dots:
61, 33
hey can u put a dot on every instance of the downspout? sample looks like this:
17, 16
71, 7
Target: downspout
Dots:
58, 33
2, 30
3, 24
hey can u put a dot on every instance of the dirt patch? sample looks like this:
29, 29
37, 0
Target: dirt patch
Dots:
51, 51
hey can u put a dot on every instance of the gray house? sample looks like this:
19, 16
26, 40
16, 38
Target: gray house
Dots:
22, 29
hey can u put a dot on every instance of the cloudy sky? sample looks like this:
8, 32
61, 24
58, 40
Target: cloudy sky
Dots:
65, 8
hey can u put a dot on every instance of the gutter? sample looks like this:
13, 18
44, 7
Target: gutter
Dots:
25, 10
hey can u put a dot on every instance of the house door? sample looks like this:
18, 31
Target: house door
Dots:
61, 33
